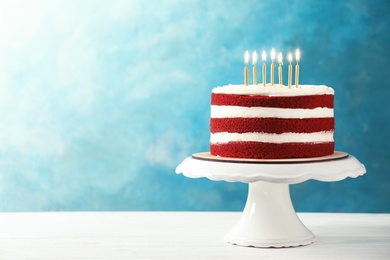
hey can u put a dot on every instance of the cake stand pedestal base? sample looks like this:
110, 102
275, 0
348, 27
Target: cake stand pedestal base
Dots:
269, 219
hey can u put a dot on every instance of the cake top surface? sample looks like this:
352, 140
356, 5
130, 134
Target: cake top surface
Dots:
275, 90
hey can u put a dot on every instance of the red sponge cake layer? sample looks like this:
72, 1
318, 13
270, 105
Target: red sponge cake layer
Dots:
272, 101
258, 150
271, 125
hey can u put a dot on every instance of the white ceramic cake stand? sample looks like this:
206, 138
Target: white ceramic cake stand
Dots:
269, 218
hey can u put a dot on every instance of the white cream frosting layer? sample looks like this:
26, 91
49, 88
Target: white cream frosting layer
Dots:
275, 90
317, 137
269, 112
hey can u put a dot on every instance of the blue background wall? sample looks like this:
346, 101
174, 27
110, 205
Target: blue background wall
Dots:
101, 100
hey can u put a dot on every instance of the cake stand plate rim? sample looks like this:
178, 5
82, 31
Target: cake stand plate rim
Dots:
207, 156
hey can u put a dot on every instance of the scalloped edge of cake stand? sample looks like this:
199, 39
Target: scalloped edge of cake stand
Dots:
328, 169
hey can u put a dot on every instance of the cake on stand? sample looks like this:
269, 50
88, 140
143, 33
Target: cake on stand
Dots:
269, 218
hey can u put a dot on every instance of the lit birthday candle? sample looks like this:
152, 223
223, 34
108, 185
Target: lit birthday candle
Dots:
280, 60
246, 70
254, 60
264, 57
290, 58
297, 58
272, 67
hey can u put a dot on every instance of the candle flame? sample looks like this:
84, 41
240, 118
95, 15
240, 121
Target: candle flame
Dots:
290, 58
280, 58
263, 56
254, 58
246, 58
297, 55
273, 54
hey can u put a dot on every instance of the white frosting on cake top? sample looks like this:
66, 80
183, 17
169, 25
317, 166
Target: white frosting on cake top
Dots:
275, 90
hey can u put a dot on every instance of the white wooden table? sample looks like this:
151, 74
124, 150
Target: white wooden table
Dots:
180, 235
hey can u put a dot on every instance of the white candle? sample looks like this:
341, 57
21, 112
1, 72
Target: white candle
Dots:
297, 59
264, 57
246, 70
272, 67
254, 60
290, 58
280, 59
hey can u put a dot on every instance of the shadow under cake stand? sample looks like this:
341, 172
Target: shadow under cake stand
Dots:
269, 218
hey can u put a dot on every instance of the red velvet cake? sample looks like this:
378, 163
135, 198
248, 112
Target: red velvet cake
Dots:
272, 122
